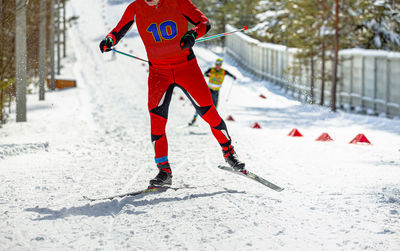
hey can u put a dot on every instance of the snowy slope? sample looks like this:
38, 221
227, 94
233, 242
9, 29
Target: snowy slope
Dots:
94, 140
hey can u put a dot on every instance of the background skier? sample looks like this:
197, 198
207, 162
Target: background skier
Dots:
216, 76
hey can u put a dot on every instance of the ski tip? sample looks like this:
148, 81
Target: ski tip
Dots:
155, 188
87, 198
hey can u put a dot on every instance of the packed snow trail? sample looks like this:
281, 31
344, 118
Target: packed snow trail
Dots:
94, 141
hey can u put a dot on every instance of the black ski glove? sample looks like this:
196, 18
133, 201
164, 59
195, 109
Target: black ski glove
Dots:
106, 44
188, 40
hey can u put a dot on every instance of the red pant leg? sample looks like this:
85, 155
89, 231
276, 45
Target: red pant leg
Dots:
190, 77
159, 96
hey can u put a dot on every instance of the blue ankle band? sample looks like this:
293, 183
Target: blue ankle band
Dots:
161, 160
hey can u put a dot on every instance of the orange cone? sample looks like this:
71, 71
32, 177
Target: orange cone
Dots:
230, 118
295, 133
360, 138
262, 96
256, 126
324, 137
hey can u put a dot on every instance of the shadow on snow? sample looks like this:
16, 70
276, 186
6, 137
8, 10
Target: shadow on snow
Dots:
114, 207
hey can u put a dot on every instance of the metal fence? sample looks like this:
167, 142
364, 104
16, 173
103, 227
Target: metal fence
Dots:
369, 80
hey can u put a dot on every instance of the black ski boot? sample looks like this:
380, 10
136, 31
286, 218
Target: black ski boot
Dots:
232, 159
163, 178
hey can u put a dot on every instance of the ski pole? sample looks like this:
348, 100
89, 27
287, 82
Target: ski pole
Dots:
230, 89
221, 35
129, 55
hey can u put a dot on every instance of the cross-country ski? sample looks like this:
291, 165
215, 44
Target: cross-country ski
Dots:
131, 194
254, 177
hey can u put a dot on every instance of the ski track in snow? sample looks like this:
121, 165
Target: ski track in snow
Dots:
94, 140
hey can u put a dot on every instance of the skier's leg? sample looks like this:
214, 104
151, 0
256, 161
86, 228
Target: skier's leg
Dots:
160, 87
214, 95
190, 78
208, 112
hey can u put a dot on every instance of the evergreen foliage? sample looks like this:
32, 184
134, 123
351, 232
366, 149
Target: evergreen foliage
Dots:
222, 12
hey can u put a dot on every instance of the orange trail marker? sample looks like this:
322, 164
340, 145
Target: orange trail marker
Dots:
230, 118
324, 137
295, 133
360, 138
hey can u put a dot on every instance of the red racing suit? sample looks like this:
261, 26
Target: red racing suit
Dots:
161, 28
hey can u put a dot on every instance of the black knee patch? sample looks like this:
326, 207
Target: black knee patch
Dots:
221, 126
201, 110
162, 110
156, 137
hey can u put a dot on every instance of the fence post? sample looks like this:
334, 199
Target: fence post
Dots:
351, 81
387, 98
362, 81
282, 67
375, 81
340, 89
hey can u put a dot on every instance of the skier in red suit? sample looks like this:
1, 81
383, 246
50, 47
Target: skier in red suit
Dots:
163, 27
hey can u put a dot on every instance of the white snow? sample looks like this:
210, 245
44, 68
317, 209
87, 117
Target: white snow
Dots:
94, 140
372, 53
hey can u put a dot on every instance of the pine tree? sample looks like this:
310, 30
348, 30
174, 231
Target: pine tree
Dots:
381, 23
222, 12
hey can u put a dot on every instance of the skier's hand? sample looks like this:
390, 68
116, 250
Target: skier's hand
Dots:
188, 40
106, 44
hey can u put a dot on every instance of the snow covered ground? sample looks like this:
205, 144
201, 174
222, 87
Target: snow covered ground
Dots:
94, 140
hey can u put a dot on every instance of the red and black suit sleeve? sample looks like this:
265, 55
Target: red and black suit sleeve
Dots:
124, 25
195, 17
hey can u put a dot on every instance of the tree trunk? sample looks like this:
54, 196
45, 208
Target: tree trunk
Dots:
42, 49
58, 37
64, 30
1, 64
312, 84
52, 71
1, 39
20, 63
323, 72
336, 58
323, 51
